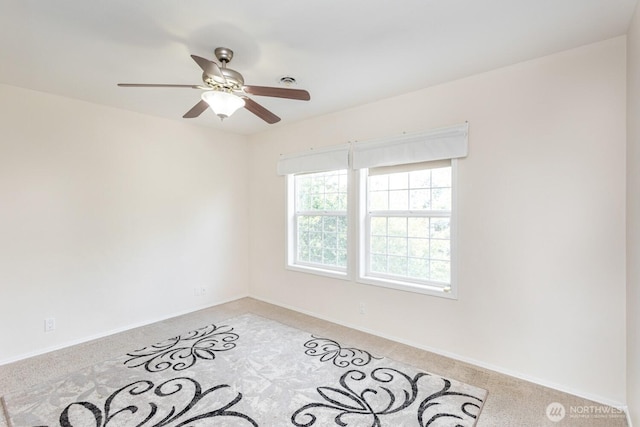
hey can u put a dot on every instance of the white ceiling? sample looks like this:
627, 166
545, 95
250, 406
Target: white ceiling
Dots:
344, 52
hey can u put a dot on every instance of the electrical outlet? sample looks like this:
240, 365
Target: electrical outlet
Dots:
49, 324
362, 308
203, 290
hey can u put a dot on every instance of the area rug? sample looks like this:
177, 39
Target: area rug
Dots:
248, 371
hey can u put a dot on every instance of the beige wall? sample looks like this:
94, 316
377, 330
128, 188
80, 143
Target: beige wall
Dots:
541, 222
633, 219
109, 219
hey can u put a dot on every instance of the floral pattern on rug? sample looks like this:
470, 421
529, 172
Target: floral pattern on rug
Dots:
342, 357
141, 404
364, 399
183, 351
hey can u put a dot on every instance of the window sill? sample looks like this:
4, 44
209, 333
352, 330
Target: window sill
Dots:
318, 271
432, 290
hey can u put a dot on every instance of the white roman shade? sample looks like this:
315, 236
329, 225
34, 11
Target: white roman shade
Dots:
437, 144
316, 160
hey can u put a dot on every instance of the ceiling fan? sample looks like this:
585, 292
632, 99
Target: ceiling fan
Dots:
225, 92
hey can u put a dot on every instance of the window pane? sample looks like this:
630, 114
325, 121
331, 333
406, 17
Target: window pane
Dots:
398, 181
342, 202
398, 265
303, 185
419, 248
330, 240
440, 271
342, 258
441, 177
397, 226
330, 224
418, 268
440, 228
379, 201
440, 250
420, 200
316, 193
418, 227
398, 200
329, 256
398, 246
379, 245
321, 191
378, 182
315, 223
317, 183
303, 253
332, 202
342, 187
331, 183
378, 263
315, 247
342, 242
302, 202
420, 179
379, 226
317, 201
441, 199
303, 240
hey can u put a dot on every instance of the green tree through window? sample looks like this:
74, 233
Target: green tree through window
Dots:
321, 219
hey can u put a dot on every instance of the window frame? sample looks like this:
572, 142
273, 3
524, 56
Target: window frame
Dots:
396, 282
292, 263
357, 240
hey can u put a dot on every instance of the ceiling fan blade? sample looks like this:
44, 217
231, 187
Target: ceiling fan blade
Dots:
278, 92
260, 111
155, 85
210, 68
196, 110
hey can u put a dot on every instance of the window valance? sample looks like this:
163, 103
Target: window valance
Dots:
438, 144
316, 160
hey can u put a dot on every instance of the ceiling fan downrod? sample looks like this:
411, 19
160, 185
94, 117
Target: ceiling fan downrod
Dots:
224, 55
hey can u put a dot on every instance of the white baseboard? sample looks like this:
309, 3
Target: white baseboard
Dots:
595, 398
146, 322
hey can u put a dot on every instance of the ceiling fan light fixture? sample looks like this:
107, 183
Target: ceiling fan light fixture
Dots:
223, 104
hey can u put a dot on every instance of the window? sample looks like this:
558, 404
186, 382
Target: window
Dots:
383, 209
320, 220
407, 223
317, 219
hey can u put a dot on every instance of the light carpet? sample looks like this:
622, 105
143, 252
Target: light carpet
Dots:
248, 371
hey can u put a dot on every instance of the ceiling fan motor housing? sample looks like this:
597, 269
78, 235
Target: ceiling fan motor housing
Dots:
234, 80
